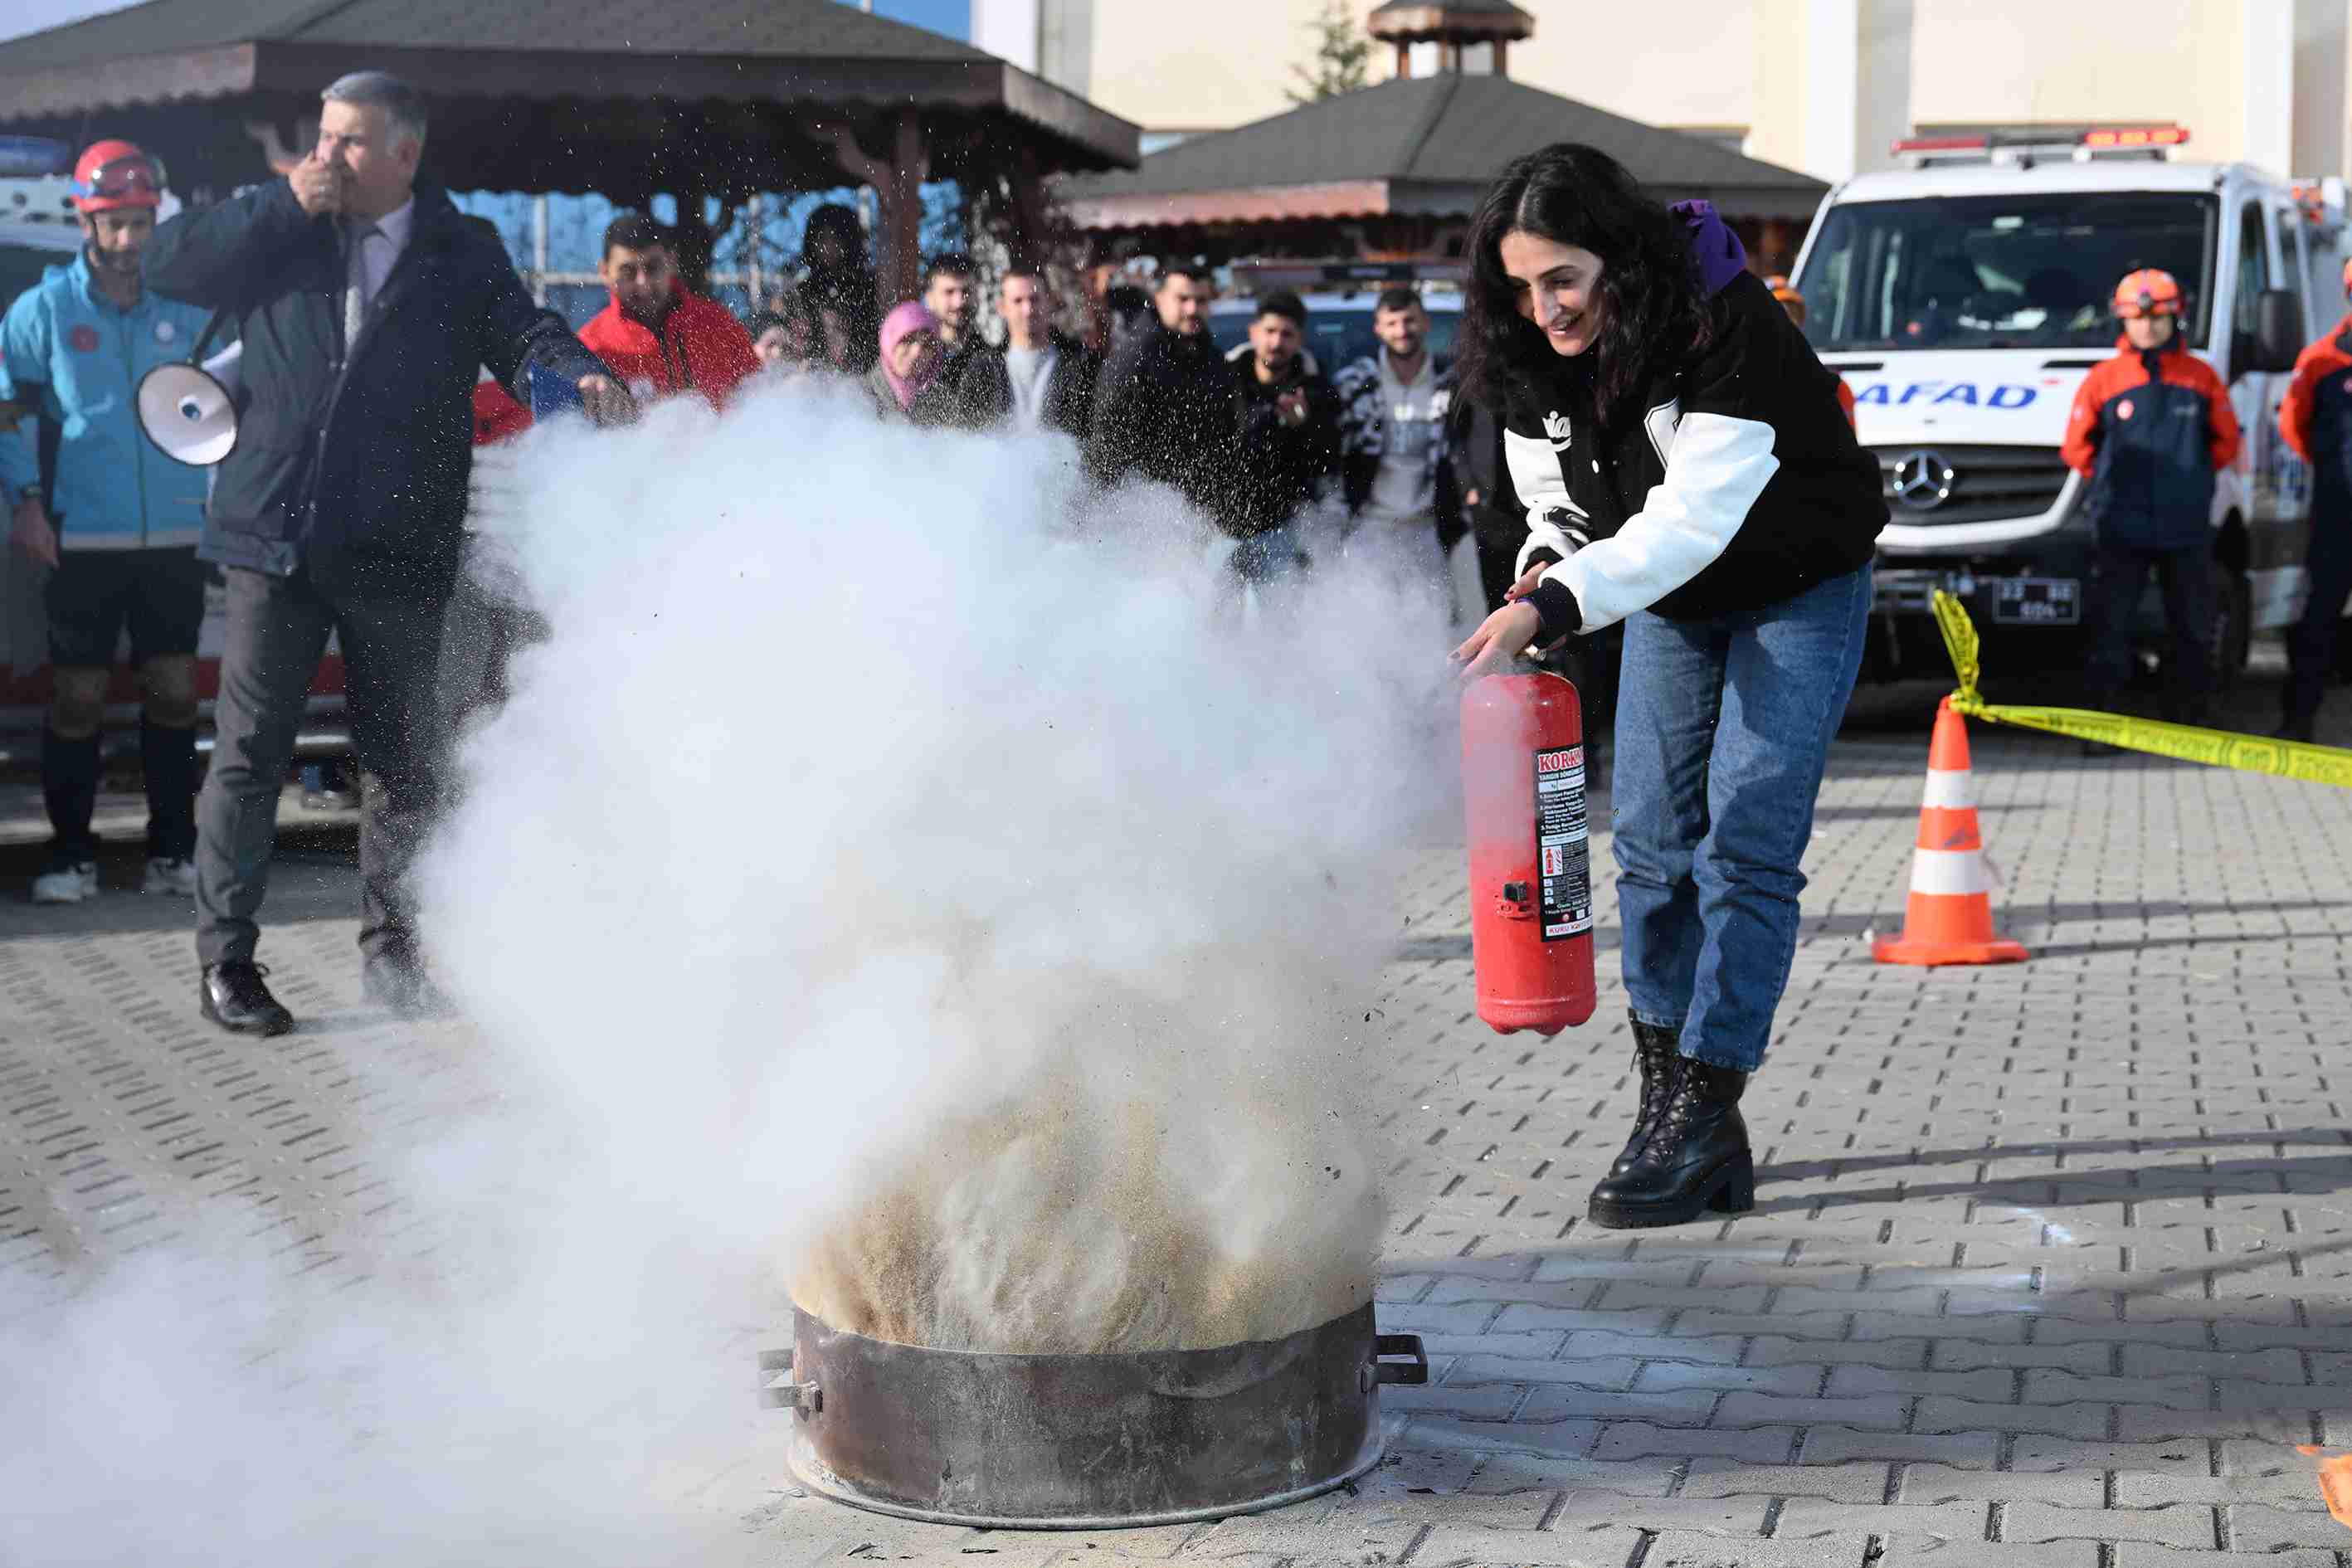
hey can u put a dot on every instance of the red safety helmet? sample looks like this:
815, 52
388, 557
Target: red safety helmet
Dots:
2150, 291
113, 175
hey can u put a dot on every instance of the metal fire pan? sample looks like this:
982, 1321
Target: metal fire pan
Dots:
1085, 1441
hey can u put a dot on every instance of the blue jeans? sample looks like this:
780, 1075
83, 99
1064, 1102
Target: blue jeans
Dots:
1723, 730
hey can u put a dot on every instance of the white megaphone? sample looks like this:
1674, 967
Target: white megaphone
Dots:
189, 410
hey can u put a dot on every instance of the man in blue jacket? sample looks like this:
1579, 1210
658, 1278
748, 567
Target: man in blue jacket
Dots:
367, 304
113, 518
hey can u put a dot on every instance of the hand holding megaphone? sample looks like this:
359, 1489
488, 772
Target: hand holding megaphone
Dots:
189, 410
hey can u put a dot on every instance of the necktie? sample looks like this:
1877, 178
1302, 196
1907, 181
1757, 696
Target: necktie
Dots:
355, 284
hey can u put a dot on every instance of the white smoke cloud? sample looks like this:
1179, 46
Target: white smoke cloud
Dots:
888, 825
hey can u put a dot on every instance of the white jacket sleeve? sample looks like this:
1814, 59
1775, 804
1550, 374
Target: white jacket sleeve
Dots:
1554, 523
1716, 468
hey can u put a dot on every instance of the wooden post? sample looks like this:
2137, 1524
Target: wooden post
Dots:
897, 184
901, 213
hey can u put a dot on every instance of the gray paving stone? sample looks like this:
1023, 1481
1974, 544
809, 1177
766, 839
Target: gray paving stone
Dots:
1501, 1473
2186, 1456
2180, 1524
1944, 1483
1561, 1439
2257, 1527
1809, 1517
1783, 1380
1634, 1440
2276, 1365
1463, 1545
2050, 1385
1588, 1371
1681, 1549
1666, 1407
1882, 1412
1834, 1445
1894, 1354
2141, 1554
1932, 1554
1718, 1349
1850, 1483
1991, 1385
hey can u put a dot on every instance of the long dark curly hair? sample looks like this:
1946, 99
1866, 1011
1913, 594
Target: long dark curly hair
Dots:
1653, 311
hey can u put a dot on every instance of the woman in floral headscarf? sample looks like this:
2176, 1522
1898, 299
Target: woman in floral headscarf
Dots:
904, 382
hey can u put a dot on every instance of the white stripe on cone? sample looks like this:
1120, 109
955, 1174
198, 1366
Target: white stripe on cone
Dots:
1949, 790
1948, 873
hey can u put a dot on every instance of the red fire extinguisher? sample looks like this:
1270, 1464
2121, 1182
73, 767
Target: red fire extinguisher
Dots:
1530, 873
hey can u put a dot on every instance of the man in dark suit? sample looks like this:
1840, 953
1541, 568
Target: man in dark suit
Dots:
367, 305
1040, 380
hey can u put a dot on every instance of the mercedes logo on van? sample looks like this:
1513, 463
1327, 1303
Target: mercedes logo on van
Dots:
1922, 480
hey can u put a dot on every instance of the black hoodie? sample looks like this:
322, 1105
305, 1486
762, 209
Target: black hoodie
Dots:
1742, 485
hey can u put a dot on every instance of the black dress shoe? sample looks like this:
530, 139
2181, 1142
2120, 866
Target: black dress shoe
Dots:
1657, 1057
401, 986
232, 994
1695, 1158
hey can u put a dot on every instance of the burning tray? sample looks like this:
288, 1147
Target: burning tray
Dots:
1085, 1441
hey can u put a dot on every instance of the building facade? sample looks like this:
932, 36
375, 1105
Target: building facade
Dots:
1822, 86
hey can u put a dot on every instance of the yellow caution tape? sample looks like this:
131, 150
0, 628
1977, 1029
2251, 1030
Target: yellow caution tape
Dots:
2216, 748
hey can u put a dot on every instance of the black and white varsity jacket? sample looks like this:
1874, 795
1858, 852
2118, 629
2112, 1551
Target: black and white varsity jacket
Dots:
1742, 485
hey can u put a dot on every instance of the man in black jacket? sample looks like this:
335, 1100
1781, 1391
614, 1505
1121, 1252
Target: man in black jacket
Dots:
1040, 380
367, 305
1166, 406
1289, 442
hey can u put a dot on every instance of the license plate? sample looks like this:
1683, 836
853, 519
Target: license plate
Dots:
2037, 601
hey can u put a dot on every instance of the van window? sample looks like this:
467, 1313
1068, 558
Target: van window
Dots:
21, 267
2294, 264
2024, 270
2254, 273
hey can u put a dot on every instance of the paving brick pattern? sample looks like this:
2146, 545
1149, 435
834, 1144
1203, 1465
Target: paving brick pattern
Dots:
2048, 1265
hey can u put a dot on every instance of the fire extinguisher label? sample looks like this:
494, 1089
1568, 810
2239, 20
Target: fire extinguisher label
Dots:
1561, 843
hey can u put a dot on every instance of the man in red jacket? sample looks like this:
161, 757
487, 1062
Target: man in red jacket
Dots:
2150, 430
657, 336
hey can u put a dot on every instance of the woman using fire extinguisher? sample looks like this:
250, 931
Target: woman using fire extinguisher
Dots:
1687, 471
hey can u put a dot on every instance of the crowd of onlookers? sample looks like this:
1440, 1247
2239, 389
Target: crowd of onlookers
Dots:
1290, 457
363, 312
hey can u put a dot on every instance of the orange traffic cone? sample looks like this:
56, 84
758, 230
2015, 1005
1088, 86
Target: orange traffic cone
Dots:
1950, 920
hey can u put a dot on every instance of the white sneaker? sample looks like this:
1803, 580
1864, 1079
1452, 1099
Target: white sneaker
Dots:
170, 874
66, 884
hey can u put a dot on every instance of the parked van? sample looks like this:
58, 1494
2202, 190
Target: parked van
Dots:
1965, 298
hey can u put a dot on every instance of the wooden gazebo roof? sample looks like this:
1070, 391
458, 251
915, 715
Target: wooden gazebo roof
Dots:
722, 98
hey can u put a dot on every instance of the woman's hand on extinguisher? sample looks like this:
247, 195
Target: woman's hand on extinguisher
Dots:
1500, 639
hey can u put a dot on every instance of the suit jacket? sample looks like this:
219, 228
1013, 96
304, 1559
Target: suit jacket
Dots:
352, 460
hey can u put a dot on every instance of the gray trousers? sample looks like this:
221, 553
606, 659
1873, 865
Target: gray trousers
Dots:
391, 647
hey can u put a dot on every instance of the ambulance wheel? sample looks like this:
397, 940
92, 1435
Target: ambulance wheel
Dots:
2233, 629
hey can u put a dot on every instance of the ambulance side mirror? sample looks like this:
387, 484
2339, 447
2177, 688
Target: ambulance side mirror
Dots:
2278, 331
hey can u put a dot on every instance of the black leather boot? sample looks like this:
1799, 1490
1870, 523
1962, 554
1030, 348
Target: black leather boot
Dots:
1657, 1057
232, 994
1695, 1158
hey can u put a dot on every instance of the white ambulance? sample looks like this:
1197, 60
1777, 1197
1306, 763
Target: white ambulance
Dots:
1965, 298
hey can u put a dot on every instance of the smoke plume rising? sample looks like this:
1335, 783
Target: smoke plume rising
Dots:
904, 880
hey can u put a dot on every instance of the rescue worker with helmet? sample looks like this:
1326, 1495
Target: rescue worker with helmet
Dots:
2150, 431
113, 518
2317, 421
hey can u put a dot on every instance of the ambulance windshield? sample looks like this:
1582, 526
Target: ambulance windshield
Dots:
2001, 271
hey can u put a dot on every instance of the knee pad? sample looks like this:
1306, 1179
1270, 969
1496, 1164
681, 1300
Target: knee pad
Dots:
76, 701
171, 692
